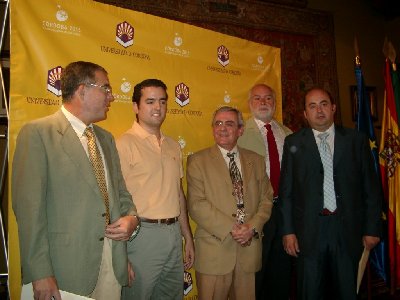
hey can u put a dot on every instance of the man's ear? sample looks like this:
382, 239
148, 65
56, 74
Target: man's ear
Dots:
135, 108
241, 130
80, 91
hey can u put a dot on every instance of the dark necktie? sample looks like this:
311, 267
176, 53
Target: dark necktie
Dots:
274, 165
98, 168
237, 183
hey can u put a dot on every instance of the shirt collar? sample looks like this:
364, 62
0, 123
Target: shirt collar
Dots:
225, 152
330, 130
142, 133
76, 123
261, 124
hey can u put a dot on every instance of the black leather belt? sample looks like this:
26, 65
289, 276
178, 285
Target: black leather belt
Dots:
167, 221
326, 212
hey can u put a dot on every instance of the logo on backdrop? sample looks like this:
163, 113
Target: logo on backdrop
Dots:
53, 80
182, 94
175, 49
125, 34
223, 55
60, 24
61, 14
227, 97
259, 64
122, 95
223, 60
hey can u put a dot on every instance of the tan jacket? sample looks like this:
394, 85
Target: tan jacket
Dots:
212, 206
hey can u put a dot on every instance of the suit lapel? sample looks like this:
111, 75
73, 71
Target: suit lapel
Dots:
253, 128
310, 147
109, 166
247, 167
339, 143
74, 150
220, 164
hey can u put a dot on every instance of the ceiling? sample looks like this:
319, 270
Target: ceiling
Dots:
389, 9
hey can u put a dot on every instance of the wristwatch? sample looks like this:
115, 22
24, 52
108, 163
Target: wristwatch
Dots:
255, 234
137, 229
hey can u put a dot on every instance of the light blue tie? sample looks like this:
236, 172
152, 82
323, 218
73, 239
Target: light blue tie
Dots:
327, 162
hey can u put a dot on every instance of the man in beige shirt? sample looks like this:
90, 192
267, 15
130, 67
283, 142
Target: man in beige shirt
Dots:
152, 168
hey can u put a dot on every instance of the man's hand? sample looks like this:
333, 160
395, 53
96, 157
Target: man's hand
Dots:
131, 274
121, 230
188, 260
44, 289
370, 241
290, 244
242, 233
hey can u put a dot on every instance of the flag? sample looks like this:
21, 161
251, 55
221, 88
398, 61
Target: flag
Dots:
378, 256
389, 160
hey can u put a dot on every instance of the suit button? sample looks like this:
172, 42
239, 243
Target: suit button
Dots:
103, 214
101, 239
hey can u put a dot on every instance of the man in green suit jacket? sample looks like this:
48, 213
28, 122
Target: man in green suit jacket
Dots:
65, 242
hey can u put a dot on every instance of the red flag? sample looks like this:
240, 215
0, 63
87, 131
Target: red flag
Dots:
389, 160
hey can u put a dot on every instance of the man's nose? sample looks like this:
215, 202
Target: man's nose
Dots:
156, 104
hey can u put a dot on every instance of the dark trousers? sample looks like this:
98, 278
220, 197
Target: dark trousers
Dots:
273, 280
331, 273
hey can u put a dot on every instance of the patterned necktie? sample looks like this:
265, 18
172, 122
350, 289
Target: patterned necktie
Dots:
274, 165
237, 183
98, 168
327, 162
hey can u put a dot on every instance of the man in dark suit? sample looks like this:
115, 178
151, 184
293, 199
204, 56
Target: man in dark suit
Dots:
72, 229
229, 214
331, 201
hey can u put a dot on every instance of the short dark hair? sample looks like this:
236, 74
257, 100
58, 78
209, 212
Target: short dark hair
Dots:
319, 89
232, 109
75, 74
137, 90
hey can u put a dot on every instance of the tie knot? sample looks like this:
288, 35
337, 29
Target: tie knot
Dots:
268, 126
323, 136
88, 132
231, 155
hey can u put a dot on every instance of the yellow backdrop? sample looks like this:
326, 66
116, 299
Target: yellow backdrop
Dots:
202, 69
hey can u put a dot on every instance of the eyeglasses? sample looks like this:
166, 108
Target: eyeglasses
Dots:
106, 88
229, 124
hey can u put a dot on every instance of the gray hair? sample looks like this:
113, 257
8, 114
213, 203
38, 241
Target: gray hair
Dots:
228, 109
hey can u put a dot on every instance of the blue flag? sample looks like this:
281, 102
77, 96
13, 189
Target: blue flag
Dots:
378, 256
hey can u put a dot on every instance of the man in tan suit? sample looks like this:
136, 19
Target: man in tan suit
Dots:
70, 239
229, 213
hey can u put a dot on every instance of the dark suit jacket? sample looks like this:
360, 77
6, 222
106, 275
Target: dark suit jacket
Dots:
212, 206
358, 193
59, 206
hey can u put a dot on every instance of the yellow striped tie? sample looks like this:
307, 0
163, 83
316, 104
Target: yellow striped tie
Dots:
98, 168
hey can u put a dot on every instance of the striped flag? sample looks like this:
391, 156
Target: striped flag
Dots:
389, 160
